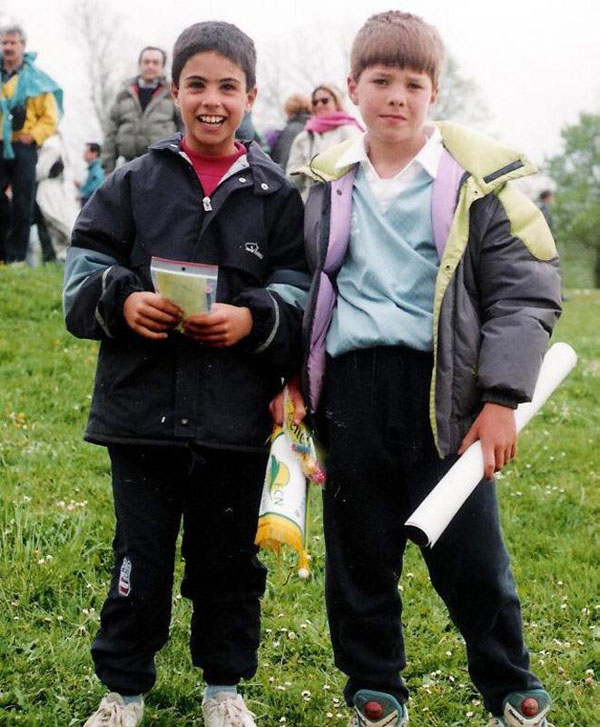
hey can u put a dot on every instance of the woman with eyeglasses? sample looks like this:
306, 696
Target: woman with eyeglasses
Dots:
329, 125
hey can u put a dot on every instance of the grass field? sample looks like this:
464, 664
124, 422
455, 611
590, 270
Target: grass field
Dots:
56, 530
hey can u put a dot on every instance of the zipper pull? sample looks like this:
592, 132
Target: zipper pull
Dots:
207, 205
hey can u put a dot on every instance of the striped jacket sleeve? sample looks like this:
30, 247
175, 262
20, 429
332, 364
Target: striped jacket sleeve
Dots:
98, 277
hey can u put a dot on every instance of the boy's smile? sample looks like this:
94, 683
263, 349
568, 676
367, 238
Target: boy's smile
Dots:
393, 103
212, 99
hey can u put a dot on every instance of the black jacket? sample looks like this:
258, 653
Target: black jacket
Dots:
281, 150
177, 390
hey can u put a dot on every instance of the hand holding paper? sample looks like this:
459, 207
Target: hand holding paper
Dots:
293, 392
190, 286
496, 430
225, 325
150, 315
433, 515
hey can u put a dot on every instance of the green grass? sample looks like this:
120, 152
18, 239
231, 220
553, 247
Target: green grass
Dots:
56, 529
577, 264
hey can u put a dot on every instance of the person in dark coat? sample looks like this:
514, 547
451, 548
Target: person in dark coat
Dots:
182, 403
544, 203
297, 110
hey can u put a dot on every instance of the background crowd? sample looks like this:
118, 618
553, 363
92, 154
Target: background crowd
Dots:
40, 199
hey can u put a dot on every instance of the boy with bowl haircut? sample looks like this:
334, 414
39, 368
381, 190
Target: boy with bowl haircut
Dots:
434, 294
185, 415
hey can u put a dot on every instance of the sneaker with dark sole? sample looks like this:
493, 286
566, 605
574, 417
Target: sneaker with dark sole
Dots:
377, 709
524, 709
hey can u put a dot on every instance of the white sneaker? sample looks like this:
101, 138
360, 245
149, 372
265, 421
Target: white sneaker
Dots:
227, 710
113, 712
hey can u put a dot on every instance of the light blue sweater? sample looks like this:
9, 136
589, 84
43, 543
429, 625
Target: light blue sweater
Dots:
386, 283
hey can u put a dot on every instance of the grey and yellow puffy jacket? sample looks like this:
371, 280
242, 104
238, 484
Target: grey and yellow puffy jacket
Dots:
497, 293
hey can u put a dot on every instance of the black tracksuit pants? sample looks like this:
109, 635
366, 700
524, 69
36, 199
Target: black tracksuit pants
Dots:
382, 463
20, 174
217, 495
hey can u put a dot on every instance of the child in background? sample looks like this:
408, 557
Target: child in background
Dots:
185, 416
435, 291
95, 171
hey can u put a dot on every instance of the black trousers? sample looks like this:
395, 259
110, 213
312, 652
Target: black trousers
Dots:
48, 254
20, 174
4, 222
217, 495
382, 463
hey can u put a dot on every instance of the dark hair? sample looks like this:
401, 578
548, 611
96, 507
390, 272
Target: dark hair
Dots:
223, 38
153, 47
92, 146
397, 39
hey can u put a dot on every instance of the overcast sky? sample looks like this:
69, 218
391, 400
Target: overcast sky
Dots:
536, 62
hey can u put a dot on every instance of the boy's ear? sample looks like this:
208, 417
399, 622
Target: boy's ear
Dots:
251, 98
434, 95
352, 86
175, 93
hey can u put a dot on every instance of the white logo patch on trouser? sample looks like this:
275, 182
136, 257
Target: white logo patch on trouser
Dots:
125, 577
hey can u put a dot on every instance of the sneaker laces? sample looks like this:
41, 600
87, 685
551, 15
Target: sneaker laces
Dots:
232, 712
110, 713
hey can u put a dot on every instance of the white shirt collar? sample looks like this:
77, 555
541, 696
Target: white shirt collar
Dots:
428, 157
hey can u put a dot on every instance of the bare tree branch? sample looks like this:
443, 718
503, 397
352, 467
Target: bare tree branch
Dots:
460, 98
296, 63
105, 50
299, 60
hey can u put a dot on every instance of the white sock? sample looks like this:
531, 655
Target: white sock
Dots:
132, 699
213, 689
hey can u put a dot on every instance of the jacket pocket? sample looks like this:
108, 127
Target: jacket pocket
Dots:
17, 118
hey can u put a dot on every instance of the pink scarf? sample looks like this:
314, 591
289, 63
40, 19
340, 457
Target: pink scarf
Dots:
321, 124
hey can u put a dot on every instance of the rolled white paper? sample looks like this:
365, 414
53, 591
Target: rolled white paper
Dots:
434, 514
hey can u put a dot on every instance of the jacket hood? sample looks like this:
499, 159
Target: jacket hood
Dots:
489, 162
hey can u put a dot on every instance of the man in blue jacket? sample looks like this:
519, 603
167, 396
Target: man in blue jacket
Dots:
30, 107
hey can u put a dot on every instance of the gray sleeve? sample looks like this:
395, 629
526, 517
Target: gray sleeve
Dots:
98, 274
94, 291
109, 144
520, 303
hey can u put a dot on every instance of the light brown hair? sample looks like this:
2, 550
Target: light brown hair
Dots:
296, 104
398, 39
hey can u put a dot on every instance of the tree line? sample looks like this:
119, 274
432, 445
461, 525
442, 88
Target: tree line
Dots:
576, 173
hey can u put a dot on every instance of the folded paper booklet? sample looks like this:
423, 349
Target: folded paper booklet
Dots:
191, 286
